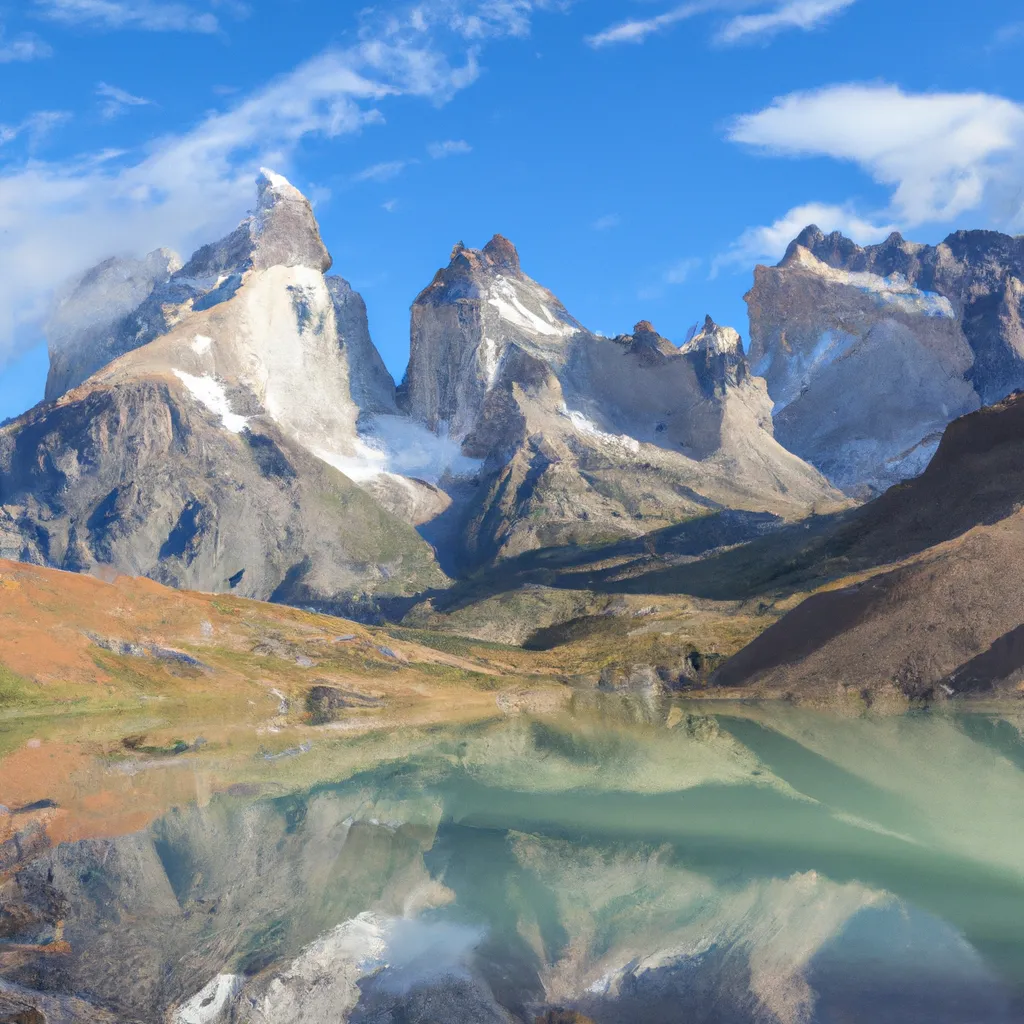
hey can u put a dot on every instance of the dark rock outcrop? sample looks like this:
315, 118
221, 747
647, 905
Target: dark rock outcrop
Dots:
947, 622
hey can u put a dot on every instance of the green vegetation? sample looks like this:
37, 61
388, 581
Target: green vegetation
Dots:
453, 674
15, 692
447, 643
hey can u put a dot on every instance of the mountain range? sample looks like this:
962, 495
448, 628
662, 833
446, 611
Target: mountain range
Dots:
225, 423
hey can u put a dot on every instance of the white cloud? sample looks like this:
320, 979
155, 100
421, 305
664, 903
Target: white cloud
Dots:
770, 17
117, 100
636, 30
496, 17
450, 147
390, 206
607, 222
24, 48
181, 190
35, 126
150, 15
804, 14
943, 154
56, 218
474, 20
382, 171
769, 243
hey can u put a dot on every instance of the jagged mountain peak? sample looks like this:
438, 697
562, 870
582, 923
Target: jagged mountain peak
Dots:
123, 304
834, 248
892, 255
714, 339
647, 343
499, 257
272, 187
284, 228
502, 254
473, 325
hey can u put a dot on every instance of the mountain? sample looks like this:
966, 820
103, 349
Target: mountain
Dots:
928, 611
870, 351
210, 453
227, 423
579, 438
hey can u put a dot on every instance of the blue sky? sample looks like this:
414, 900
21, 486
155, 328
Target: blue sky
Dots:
643, 155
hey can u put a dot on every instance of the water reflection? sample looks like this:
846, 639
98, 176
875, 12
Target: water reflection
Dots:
633, 860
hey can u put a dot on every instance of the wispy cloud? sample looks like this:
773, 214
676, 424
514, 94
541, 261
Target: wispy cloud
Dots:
943, 156
35, 126
148, 15
116, 101
767, 18
636, 30
1009, 34
473, 20
58, 217
381, 172
390, 206
450, 147
22, 48
802, 14
607, 222
676, 274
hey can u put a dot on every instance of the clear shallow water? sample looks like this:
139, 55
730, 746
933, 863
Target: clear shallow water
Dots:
633, 861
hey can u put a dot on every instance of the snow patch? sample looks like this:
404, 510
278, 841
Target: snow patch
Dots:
831, 346
278, 183
720, 341
201, 344
210, 392
366, 462
490, 359
894, 290
400, 447
212, 1002
588, 427
505, 299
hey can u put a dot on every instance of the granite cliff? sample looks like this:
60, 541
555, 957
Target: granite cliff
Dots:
870, 351
581, 438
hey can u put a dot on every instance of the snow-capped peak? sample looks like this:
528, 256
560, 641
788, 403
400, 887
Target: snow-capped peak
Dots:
277, 185
715, 340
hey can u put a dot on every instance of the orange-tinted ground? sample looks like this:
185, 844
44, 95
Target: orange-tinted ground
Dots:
101, 717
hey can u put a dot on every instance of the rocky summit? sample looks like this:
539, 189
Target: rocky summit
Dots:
227, 423
199, 438
870, 351
580, 438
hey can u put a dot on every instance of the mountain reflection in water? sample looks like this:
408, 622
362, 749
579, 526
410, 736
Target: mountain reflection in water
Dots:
629, 861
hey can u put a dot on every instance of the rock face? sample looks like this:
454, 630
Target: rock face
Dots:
869, 352
944, 622
145, 478
211, 453
228, 423
580, 437
372, 387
